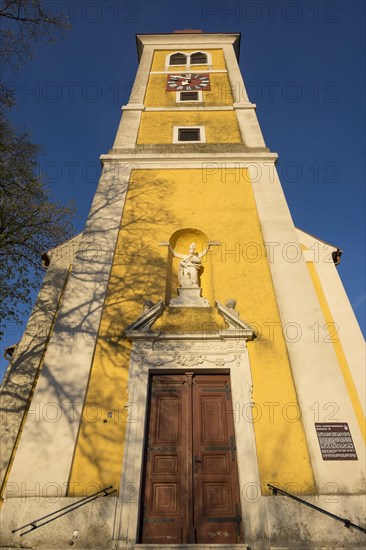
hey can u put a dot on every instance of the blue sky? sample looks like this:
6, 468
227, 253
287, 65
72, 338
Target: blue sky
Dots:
304, 66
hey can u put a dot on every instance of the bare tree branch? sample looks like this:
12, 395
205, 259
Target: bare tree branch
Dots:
30, 222
23, 24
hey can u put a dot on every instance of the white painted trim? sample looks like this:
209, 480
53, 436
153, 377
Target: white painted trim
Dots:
200, 128
139, 86
188, 65
193, 108
308, 255
16, 387
349, 332
167, 59
209, 58
170, 71
179, 100
133, 107
236, 80
186, 41
126, 135
204, 161
242, 105
158, 357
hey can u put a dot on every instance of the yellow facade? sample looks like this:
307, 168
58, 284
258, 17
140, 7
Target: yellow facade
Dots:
159, 203
157, 127
199, 206
219, 94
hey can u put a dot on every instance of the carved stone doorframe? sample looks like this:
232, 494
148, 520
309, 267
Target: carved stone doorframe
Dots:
158, 353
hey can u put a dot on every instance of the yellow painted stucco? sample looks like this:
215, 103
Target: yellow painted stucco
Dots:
159, 57
157, 127
219, 94
222, 207
330, 326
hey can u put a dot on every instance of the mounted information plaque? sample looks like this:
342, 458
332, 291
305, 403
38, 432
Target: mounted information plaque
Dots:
335, 441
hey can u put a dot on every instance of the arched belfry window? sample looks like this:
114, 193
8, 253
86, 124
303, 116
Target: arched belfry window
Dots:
198, 58
188, 60
178, 59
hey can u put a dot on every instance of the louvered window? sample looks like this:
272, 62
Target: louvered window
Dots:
178, 59
198, 58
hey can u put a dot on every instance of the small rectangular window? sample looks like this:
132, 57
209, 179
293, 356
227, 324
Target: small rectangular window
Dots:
188, 134
189, 96
192, 95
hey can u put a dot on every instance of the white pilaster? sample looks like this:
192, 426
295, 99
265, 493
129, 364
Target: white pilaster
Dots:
129, 125
236, 80
315, 368
346, 325
17, 386
45, 453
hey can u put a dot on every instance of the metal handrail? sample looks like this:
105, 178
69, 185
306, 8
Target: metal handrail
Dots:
64, 510
347, 523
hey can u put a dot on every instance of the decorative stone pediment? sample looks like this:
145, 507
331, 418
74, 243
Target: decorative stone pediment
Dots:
237, 328
231, 317
143, 324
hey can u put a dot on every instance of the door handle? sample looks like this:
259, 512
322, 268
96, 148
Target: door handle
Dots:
196, 461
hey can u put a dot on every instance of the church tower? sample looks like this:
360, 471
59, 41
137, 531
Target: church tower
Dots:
199, 363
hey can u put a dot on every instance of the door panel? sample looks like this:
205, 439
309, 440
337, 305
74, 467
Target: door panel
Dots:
191, 490
165, 502
216, 501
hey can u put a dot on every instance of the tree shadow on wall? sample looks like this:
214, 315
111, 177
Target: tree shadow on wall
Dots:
138, 273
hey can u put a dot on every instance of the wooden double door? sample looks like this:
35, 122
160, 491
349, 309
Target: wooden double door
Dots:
191, 489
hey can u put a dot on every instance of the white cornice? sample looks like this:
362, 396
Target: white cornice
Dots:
191, 108
195, 39
193, 160
187, 41
234, 107
199, 108
191, 70
133, 107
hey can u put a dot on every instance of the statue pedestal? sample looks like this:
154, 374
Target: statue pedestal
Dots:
189, 297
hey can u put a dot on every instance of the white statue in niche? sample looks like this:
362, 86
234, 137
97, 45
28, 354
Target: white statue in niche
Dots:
189, 292
189, 267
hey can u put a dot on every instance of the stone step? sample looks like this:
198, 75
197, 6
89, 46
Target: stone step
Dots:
191, 547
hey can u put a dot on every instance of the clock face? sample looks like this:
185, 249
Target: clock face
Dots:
187, 81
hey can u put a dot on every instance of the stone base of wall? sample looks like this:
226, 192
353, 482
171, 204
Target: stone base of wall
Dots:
88, 527
287, 525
